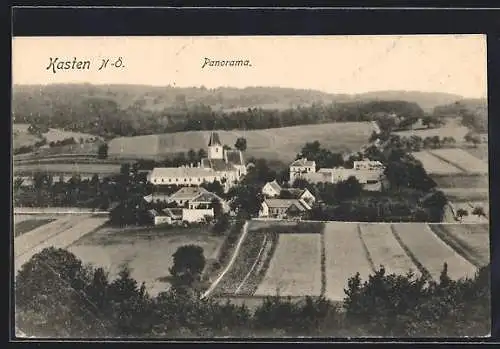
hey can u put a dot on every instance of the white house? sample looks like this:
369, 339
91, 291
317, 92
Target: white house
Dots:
225, 166
196, 198
271, 189
300, 167
300, 194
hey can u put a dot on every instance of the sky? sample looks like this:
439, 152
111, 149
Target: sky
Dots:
335, 64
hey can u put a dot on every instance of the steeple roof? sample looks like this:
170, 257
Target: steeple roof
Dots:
214, 139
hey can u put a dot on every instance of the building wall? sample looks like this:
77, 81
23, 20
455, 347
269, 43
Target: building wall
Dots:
162, 220
264, 211
190, 215
215, 152
267, 190
308, 197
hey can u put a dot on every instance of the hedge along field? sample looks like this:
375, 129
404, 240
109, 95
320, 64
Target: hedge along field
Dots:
295, 268
344, 257
273, 144
432, 252
385, 250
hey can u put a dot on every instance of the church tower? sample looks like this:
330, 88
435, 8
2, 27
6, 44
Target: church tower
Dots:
215, 148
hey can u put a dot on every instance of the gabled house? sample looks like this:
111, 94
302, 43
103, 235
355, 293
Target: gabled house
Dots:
271, 189
283, 208
299, 194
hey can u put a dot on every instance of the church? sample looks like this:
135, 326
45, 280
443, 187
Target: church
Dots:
222, 165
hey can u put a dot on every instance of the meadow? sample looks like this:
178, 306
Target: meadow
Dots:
146, 251
273, 144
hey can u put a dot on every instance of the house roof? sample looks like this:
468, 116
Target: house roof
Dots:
235, 157
205, 197
218, 165
274, 185
187, 193
303, 162
214, 139
296, 193
167, 172
285, 203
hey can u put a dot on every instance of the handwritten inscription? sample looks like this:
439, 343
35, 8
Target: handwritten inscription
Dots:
225, 63
57, 64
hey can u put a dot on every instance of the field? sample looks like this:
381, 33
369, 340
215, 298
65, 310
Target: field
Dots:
55, 135
274, 144
295, 269
21, 137
451, 129
100, 169
434, 165
465, 181
29, 224
59, 233
385, 250
80, 150
480, 151
462, 159
344, 257
431, 252
466, 194
470, 240
147, 252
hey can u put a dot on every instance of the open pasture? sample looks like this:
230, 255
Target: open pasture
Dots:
61, 236
385, 250
55, 135
273, 144
463, 181
21, 137
449, 130
434, 165
344, 257
432, 252
480, 151
472, 241
462, 159
295, 269
147, 252
466, 194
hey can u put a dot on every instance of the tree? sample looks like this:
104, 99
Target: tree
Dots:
241, 144
461, 213
192, 156
102, 151
221, 224
472, 137
479, 211
350, 188
187, 267
246, 199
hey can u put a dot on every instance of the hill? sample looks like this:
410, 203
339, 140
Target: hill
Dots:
273, 144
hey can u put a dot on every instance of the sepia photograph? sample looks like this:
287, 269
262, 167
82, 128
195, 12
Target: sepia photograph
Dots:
198, 187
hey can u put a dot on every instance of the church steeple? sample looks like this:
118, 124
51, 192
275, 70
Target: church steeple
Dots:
215, 147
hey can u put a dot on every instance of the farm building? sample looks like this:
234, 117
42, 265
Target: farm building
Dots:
196, 197
225, 166
274, 190
283, 208
369, 173
271, 189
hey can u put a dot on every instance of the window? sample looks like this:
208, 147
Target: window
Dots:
216, 150
162, 180
177, 179
170, 179
185, 179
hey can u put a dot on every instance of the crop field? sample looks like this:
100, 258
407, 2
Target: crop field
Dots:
462, 159
55, 135
344, 257
295, 269
434, 165
21, 137
273, 144
100, 169
28, 225
385, 250
60, 234
480, 151
466, 194
147, 252
463, 181
427, 249
79, 150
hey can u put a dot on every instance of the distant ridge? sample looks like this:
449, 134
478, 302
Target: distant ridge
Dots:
225, 98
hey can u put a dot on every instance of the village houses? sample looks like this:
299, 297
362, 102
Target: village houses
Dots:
369, 173
222, 165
